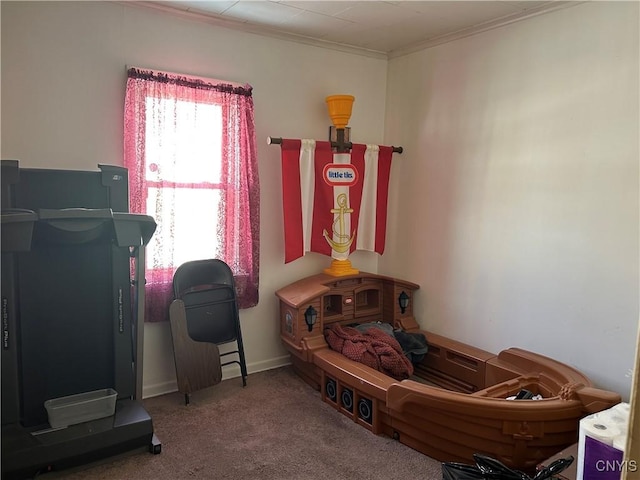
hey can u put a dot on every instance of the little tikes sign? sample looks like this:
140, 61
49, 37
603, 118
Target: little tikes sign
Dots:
340, 175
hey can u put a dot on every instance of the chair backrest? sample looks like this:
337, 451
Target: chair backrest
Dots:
201, 272
208, 291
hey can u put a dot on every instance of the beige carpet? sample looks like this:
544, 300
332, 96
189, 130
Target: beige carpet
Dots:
276, 427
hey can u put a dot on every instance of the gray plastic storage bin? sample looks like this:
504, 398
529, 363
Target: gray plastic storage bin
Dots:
82, 407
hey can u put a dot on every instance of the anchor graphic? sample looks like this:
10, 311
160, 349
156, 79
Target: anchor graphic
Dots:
343, 243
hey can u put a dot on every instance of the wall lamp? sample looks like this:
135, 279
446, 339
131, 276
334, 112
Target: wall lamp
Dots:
310, 317
403, 300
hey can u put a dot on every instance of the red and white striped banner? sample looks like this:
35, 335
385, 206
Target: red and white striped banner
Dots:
334, 203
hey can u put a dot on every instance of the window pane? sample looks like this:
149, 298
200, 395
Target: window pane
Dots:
183, 141
186, 231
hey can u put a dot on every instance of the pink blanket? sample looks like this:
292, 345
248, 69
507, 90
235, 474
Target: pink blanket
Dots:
373, 348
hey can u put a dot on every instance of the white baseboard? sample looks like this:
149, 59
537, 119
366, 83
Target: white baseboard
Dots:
157, 389
228, 372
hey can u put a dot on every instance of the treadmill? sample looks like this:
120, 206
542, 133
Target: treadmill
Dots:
72, 315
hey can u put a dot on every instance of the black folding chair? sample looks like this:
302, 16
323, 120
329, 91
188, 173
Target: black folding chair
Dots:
206, 290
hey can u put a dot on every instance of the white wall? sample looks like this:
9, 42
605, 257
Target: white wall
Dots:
63, 81
517, 194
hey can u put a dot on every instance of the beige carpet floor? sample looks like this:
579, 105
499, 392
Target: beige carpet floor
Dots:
277, 427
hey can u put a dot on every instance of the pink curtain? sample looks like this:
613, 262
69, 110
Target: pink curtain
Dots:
236, 184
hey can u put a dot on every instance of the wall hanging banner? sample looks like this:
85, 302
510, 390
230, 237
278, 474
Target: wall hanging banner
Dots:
334, 203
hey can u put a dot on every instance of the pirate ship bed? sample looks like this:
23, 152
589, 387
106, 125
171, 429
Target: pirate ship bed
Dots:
457, 401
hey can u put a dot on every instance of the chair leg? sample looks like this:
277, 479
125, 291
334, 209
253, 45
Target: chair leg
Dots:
243, 362
187, 398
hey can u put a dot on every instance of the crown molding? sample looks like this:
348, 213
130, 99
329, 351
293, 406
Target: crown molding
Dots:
483, 27
223, 22
220, 21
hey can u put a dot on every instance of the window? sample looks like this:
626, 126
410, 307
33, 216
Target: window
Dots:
190, 151
183, 171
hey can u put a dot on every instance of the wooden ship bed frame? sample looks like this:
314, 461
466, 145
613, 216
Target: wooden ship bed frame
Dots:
455, 403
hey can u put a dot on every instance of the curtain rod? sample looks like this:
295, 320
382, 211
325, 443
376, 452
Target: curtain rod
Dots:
198, 77
278, 141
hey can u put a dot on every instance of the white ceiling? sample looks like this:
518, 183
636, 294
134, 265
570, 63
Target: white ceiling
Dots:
377, 28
